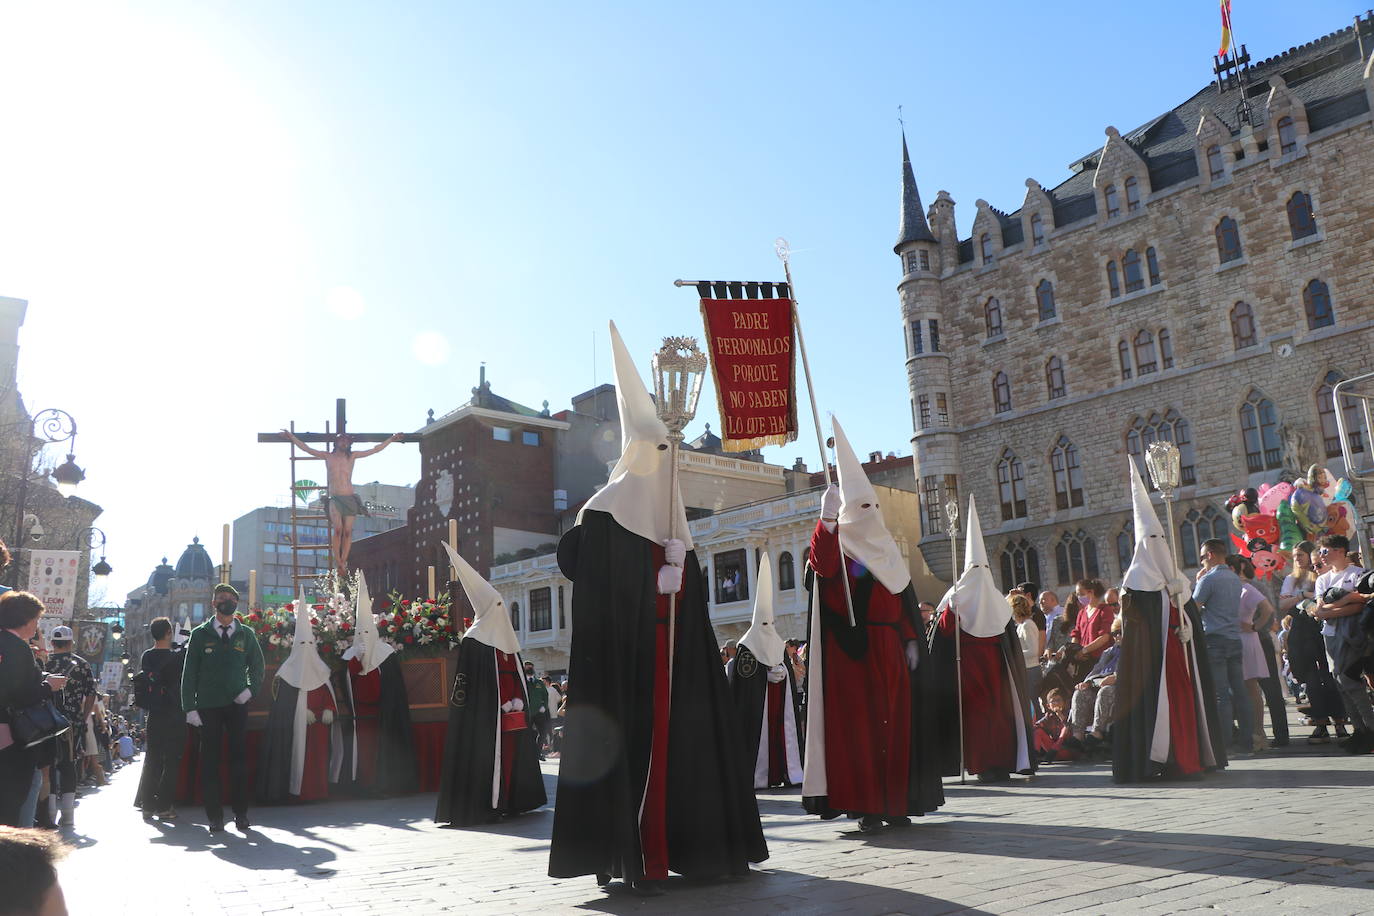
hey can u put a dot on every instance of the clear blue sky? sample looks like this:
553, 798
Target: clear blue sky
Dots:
226, 215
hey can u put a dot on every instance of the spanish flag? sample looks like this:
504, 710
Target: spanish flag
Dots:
1225, 28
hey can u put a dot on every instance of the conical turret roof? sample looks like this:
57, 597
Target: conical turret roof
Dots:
914, 227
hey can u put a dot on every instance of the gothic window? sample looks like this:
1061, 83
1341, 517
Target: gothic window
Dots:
1288, 136
1259, 427
1044, 297
1068, 477
1130, 269
1243, 326
985, 245
992, 317
1113, 202
934, 336
515, 616
1145, 361
917, 343
925, 411
1001, 393
1075, 557
1197, 526
1037, 230
1316, 299
1011, 486
1301, 222
1054, 377
787, 574
1123, 353
941, 409
1132, 195
1152, 264
1125, 547
1113, 284
1326, 413
1143, 432
1166, 348
1228, 240
1020, 563
1216, 162
932, 512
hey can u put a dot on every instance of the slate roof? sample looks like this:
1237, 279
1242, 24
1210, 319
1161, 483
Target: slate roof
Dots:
913, 226
1326, 75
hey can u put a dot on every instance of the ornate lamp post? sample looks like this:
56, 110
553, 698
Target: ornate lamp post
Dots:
952, 520
95, 540
1163, 461
49, 426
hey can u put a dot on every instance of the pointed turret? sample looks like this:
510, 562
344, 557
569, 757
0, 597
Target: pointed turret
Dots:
913, 225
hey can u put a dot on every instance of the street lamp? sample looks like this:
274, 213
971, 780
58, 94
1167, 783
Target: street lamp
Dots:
49, 426
95, 540
124, 658
1163, 461
117, 631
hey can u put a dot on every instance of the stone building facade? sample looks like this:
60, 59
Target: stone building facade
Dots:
1204, 278
182, 593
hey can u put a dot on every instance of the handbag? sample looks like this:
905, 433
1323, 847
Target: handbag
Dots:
37, 723
514, 721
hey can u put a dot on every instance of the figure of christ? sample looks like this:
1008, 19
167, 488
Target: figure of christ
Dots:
344, 504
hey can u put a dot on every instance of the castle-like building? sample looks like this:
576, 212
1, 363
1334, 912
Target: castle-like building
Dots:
1205, 278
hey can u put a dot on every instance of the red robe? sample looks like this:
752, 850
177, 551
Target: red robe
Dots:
1182, 703
868, 699
511, 682
315, 778
367, 698
989, 718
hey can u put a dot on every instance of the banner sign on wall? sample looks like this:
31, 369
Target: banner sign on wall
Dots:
91, 637
753, 360
52, 577
110, 673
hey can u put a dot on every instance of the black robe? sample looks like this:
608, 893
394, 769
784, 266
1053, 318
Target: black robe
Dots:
474, 723
944, 693
1137, 687
748, 687
274, 757
398, 769
712, 818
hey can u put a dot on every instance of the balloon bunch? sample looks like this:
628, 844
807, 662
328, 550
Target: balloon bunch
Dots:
1276, 517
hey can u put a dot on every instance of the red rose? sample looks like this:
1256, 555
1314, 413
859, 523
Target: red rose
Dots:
467, 622
409, 640
346, 626
386, 604
405, 602
317, 607
328, 647
448, 628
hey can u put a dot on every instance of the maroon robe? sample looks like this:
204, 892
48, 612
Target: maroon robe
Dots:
989, 718
315, 778
367, 700
1182, 704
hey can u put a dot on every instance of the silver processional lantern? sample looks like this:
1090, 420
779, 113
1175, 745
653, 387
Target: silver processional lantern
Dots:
1163, 461
679, 369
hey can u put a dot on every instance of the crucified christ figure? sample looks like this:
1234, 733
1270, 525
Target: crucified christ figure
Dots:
344, 504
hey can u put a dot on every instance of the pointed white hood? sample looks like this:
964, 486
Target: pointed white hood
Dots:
1152, 566
641, 485
303, 668
863, 533
983, 610
762, 636
368, 646
490, 618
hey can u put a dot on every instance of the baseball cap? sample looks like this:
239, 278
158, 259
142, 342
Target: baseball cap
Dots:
60, 633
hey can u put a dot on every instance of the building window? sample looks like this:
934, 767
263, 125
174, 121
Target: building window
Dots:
1068, 477
917, 343
934, 336
911, 262
500, 433
1001, 393
1132, 195
1143, 432
1152, 265
992, 317
1123, 353
1113, 284
925, 411
1145, 362
1301, 222
515, 616
562, 611
1288, 136
1166, 348
1011, 486
1075, 557
1044, 298
529, 437
1243, 326
1113, 202
1037, 230
1259, 427
1130, 269
1125, 547
787, 573
941, 409
1197, 526
1316, 299
541, 610
1054, 377
985, 245
732, 576
1216, 162
923, 258
932, 511
1020, 563
1228, 240
1326, 412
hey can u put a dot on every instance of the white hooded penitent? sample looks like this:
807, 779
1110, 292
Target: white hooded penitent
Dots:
1152, 566
368, 646
983, 610
640, 490
863, 533
306, 671
762, 636
490, 619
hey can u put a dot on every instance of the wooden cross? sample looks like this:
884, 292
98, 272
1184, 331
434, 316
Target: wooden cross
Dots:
340, 426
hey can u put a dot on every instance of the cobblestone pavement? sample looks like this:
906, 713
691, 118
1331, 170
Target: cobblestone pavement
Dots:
1282, 832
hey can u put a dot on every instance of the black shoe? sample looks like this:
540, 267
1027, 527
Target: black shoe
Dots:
870, 823
216, 827
241, 823
603, 879
643, 888
897, 822
1279, 742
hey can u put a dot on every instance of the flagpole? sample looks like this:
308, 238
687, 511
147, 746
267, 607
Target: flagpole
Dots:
784, 254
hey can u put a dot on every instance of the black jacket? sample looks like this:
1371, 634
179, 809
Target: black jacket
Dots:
21, 679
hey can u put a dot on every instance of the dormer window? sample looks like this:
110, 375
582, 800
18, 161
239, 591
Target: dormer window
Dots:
1112, 201
1288, 136
1132, 195
1216, 162
985, 245
1037, 230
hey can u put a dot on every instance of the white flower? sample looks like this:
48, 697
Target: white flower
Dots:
274, 639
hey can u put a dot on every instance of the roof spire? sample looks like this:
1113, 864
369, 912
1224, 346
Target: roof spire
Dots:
913, 223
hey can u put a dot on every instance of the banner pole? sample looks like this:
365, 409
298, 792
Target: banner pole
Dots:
784, 254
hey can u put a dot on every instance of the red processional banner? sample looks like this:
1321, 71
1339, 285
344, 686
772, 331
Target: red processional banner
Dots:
753, 359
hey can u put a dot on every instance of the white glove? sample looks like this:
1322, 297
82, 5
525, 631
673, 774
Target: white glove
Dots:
675, 551
506, 706
776, 674
327, 717
669, 580
310, 717
193, 718
244, 696
517, 704
913, 655
830, 502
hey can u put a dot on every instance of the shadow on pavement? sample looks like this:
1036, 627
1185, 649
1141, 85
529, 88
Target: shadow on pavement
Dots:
252, 850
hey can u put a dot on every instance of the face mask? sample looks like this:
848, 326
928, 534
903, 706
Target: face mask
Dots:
226, 607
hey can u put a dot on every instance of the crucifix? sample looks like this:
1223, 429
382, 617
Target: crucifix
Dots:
342, 501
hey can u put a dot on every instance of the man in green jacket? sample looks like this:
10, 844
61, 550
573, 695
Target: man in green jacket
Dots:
223, 670
539, 711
